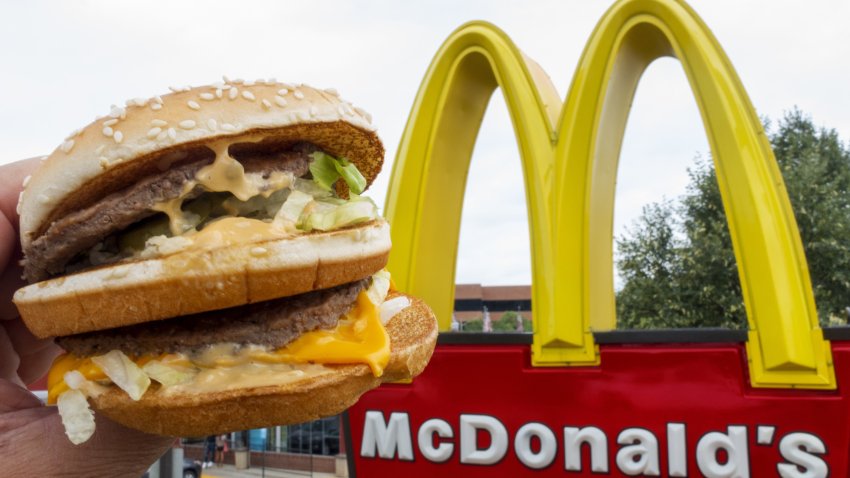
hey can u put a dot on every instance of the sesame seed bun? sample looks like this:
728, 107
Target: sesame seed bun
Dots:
195, 281
146, 135
413, 334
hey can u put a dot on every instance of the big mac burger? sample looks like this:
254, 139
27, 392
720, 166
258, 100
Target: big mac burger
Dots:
209, 264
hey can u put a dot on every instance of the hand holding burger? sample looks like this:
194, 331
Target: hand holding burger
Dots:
208, 263
27, 427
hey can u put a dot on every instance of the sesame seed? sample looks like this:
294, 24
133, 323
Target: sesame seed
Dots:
43, 198
172, 133
225, 78
248, 95
234, 92
174, 89
258, 251
158, 99
187, 124
99, 149
288, 86
107, 131
271, 81
303, 115
248, 83
118, 137
267, 104
110, 122
154, 132
213, 124
298, 94
341, 110
18, 207
162, 135
136, 102
282, 91
207, 96
363, 113
218, 93
193, 104
280, 101
67, 146
117, 112
331, 91
156, 106
260, 81
104, 162
26, 181
186, 88
74, 133
226, 87
159, 122
228, 127
314, 111
237, 81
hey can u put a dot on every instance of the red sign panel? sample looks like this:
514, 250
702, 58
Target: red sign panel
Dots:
648, 410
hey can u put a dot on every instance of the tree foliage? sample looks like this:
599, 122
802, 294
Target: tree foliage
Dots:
508, 322
677, 265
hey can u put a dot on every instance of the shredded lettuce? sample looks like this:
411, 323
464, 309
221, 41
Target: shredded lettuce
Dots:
379, 288
326, 170
329, 216
77, 417
390, 308
168, 374
76, 381
311, 187
293, 207
123, 373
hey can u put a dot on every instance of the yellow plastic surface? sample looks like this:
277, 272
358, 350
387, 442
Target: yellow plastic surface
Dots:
570, 175
425, 196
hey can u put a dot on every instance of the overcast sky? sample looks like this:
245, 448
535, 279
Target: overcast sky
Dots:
64, 63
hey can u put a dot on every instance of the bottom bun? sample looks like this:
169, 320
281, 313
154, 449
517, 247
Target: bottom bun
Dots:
413, 335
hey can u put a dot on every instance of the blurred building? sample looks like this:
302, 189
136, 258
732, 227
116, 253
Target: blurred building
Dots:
472, 300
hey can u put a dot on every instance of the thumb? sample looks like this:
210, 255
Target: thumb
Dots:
113, 451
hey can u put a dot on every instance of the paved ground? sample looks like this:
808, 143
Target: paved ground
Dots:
229, 471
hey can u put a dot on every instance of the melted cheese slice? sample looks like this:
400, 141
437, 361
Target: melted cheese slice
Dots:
359, 338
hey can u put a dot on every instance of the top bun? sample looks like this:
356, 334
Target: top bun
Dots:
149, 134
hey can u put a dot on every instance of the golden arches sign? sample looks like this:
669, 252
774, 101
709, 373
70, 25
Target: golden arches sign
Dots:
569, 157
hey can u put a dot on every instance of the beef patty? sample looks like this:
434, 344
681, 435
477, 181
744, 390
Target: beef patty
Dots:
49, 254
272, 323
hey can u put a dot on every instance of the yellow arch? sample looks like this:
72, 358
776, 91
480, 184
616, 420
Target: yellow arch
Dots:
785, 346
429, 176
570, 174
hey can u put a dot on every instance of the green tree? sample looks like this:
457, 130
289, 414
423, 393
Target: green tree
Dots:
474, 325
677, 265
508, 322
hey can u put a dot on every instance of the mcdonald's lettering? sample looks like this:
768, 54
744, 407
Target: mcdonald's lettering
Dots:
483, 440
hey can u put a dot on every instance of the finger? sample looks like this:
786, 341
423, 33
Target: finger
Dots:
14, 397
11, 183
10, 277
113, 450
9, 360
15, 419
8, 244
36, 355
